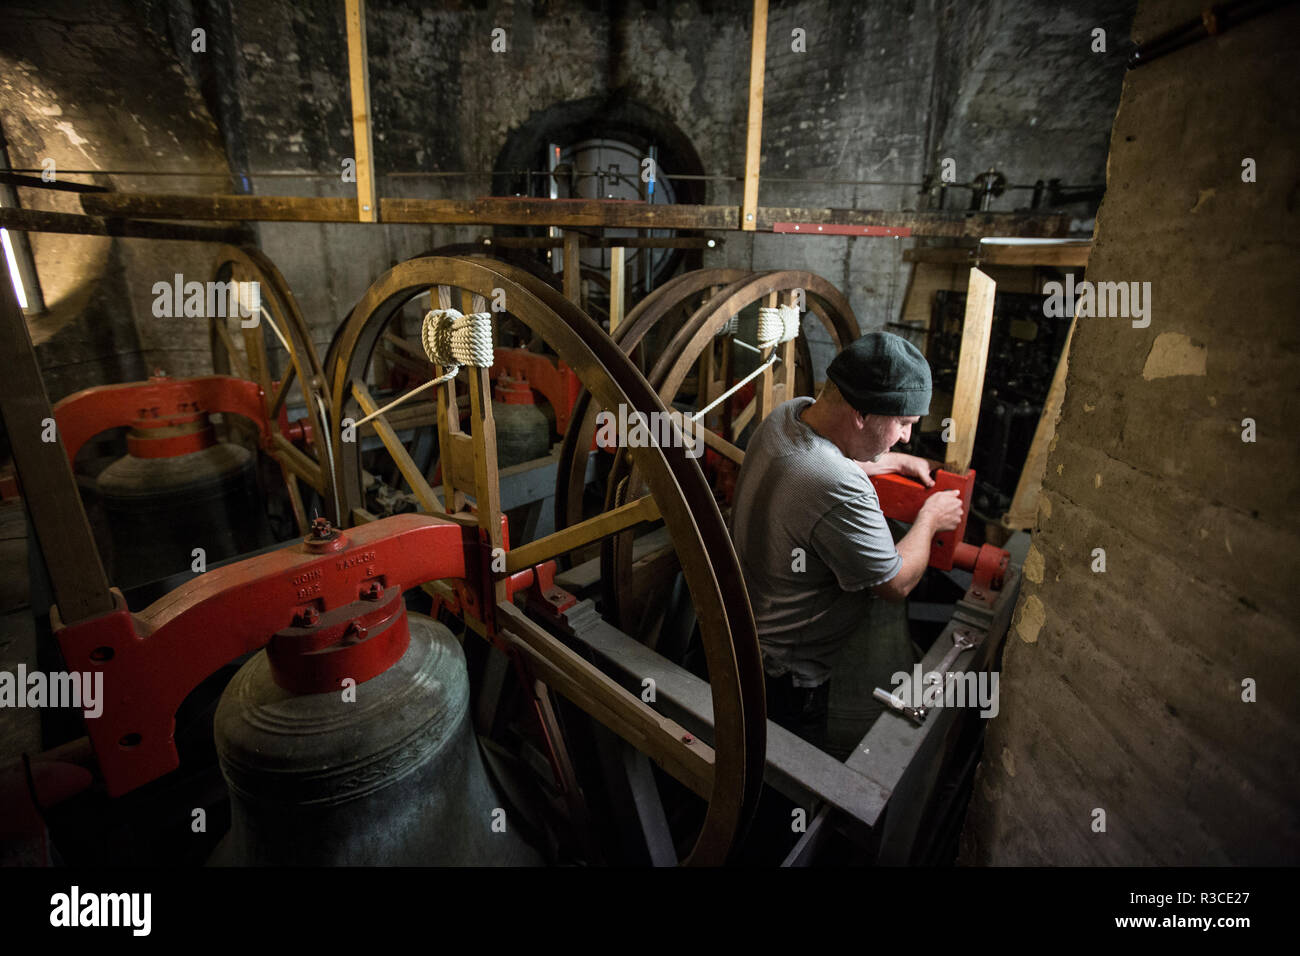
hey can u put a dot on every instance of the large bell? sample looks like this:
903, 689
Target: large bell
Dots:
391, 778
160, 509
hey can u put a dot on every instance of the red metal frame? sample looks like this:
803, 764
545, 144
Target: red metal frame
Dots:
164, 405
326, 609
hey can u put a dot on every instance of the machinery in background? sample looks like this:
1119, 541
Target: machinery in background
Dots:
1024, 349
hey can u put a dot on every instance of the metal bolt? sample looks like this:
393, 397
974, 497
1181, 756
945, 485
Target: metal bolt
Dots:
321, 528
306, 617
372, 591
354, 634
687, 739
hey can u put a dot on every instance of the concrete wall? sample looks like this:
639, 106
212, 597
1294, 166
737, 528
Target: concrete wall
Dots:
1123, 690
882, 93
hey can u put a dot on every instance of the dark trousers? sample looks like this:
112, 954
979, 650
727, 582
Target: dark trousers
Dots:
801, 710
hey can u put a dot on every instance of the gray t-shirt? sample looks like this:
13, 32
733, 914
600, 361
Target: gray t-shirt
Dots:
797, 490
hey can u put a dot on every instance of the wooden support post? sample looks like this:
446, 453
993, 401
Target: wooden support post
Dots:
359, 80
487, 491
76, 573
572, 268
616, 296
969, 390
1023, 511
754, 134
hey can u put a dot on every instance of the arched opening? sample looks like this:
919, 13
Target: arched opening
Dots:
605, 148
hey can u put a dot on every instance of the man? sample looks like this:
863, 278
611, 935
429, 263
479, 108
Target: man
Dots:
813, 544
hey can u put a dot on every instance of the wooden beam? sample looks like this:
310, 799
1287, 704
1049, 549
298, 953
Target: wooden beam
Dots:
617, 297
80, 585
722, 446
359, 84
298, 462
572, 269
754, 131
582, 533
1023, 512
684, 756
508, 211
969, 390
602, 242
405, 464
39, 220
1064, 253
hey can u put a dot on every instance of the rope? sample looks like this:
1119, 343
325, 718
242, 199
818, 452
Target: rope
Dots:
730, 327
771, 360
777, 325
451, 340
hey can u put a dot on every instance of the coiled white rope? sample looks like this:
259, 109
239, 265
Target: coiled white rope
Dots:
777, 325
730, 327
451, 340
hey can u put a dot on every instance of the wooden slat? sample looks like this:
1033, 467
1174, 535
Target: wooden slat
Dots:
295, 499
1023, 512
359, 85
754, 130
505, 211
77, 575
684, 756
969, 390
740, 421
582, 533
298, 462
617, 297
405, 464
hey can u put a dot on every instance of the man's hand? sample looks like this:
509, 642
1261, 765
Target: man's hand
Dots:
897, 463
943, 510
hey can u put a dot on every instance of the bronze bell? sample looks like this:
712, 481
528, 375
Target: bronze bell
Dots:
386, 772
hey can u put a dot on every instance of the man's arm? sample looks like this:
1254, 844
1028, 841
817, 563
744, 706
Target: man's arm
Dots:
941, 512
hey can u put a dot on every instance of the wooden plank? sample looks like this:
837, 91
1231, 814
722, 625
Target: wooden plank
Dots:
969, 390
508, 211
582, 533
754, 130
602, 242
617, 296
281, 391
572, 269
405, 464
77, 575
1023, 512
684, 756
40, 220
359, 85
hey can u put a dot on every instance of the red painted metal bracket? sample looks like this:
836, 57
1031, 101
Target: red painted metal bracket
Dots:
329, 606
159, 404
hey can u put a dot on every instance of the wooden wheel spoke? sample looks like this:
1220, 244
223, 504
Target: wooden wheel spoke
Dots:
282, 391
237, 364
405, 463
583, 533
